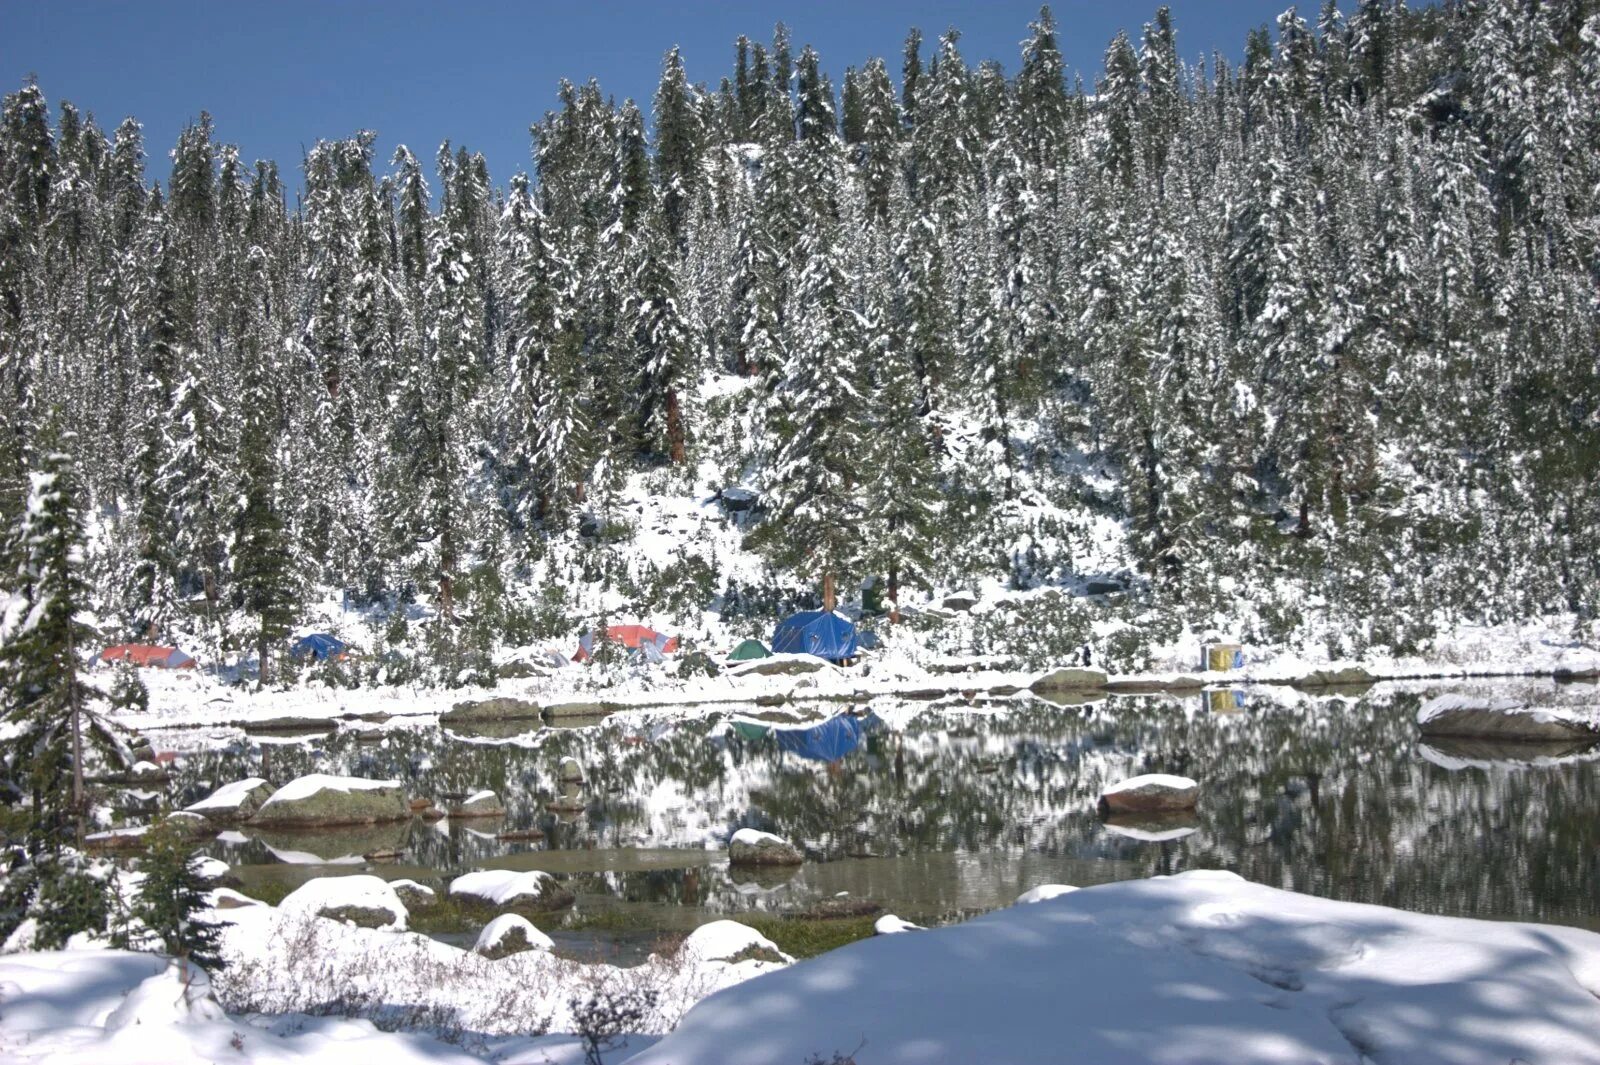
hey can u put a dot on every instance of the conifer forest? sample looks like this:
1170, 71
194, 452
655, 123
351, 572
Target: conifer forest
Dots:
1307, 337
949, 559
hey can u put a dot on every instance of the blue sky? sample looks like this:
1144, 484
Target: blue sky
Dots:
278, 76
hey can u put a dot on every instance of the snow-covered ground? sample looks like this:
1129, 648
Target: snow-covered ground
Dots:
1198, 968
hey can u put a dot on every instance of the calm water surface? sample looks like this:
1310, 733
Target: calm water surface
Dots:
942, 812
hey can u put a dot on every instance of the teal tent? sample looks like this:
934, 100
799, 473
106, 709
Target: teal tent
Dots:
749, 651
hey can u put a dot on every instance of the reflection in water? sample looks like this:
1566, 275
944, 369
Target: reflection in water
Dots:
937, 812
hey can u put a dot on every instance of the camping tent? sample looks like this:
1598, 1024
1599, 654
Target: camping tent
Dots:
646, 654
320, 646
828, 741
813, 632
143, 654
749, 651
868, 639
630, 637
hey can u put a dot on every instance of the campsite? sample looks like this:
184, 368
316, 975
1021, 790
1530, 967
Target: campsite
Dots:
799, 534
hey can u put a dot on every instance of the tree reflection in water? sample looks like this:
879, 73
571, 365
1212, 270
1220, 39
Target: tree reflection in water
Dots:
941, 812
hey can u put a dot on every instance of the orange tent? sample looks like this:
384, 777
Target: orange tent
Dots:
629, 636
144, 654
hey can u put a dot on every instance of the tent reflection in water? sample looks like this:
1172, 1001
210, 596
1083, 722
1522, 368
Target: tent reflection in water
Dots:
816, 632
827, 741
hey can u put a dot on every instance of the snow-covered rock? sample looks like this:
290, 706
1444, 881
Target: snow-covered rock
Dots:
413, 894
1071, 679
479, 804
322, 800
1043, 893
1187, 970
1578, 663
1150, 793
570, 771
508, 934
784, 665
187, 825
237, 801
1499, 717
130, 837
1336, 677
750, 847
224, 898
533, 890
367, 901
499, 708
726, 940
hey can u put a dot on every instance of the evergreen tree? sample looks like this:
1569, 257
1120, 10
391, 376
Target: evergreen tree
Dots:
49, 702
680, 137
664, 337
262, 565
172, 895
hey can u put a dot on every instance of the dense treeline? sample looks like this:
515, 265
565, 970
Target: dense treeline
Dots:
1329, 312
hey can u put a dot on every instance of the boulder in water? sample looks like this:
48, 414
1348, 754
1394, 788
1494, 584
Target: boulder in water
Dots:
750, 847
1507, 718
234, 802
1070, 679
509, 934
479, 804
500, 708
366, 901
534, 891
320, 800
1150, 793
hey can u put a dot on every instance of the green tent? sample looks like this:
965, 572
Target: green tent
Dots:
749, 651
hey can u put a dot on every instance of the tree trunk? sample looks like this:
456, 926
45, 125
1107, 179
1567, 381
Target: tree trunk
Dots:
447, 563
674, 427
828, 599
261, 656
894, 595
75, 701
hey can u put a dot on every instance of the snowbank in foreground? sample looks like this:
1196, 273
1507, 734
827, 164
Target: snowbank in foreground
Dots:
112, 1007
1199, 968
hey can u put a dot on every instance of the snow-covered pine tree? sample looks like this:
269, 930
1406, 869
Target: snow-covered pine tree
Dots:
680, 142
655, 315
57, 734
813, 490
263, 573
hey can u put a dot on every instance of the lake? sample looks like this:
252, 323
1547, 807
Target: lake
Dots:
941, 811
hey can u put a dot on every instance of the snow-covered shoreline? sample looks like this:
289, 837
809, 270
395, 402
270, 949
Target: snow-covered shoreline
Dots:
195, 700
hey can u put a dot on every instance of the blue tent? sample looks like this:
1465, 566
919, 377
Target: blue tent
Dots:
318, 645
869, 640
813, 632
